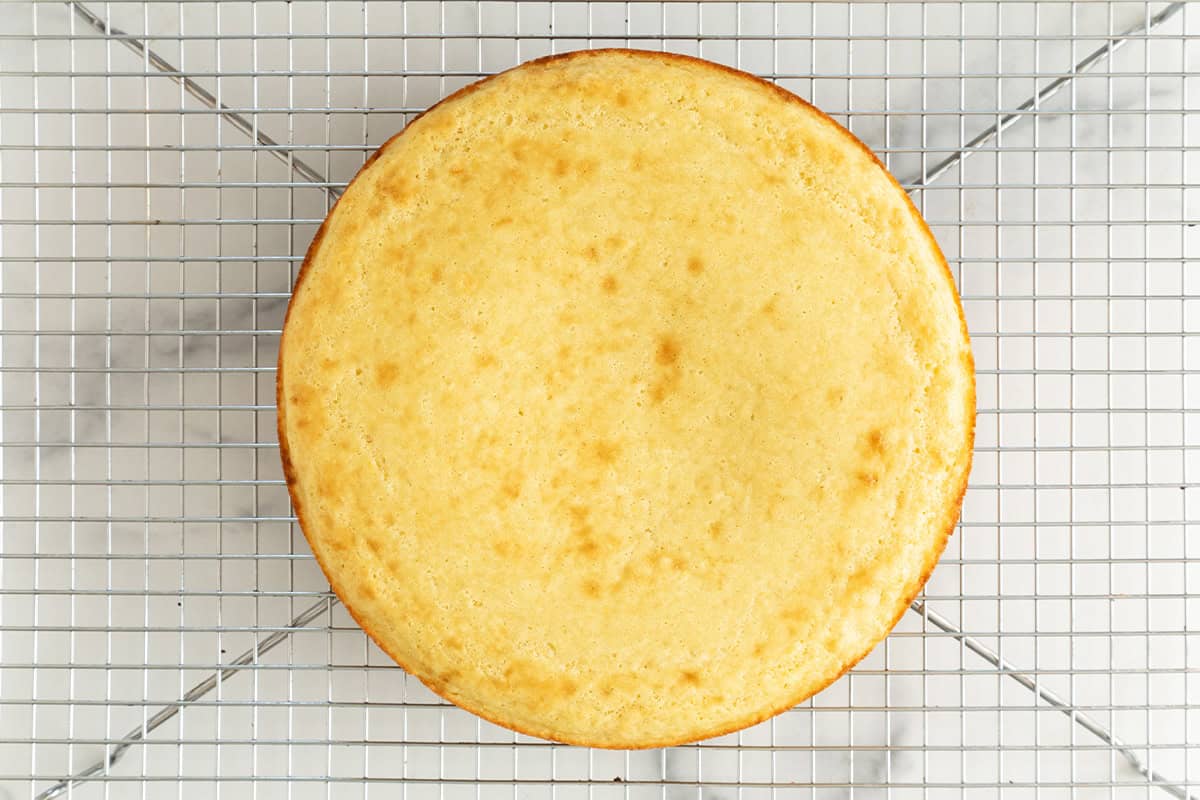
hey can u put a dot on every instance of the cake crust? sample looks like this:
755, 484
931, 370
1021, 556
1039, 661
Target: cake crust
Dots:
599, 450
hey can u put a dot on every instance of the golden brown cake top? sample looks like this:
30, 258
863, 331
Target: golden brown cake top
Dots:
625, 399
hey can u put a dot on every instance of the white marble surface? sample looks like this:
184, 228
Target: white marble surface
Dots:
146, 540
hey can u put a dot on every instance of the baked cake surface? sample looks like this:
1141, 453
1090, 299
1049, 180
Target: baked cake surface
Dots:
625, 399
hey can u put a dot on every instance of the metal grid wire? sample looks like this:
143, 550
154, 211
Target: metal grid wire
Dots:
163, 628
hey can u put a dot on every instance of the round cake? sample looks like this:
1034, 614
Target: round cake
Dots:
625, 399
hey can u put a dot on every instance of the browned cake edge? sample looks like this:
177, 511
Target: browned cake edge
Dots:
949, 518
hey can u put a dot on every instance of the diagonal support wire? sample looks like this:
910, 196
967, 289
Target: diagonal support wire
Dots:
1051, 698
139, 734
1048, 91
310, 614
206, 97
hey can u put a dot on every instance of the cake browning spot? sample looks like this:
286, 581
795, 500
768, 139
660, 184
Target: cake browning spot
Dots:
386, 373
301, 396
439, 682
304, 409
689, 677
522, 148
606, 452
329, 488
795, 614
859, 580
338, 544
581, 531
666, 356
510, 489
667, 353
716, 528
398, 254
875, 442
609, 284
485, 360
866, 479
591, 588
695, 265
395, 188
543, 687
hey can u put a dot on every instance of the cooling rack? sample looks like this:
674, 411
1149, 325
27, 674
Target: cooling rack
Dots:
163, 628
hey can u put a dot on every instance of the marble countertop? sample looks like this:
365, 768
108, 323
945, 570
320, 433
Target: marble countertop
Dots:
147, 248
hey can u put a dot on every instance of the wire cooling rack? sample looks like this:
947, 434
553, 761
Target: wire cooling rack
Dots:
163, 628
